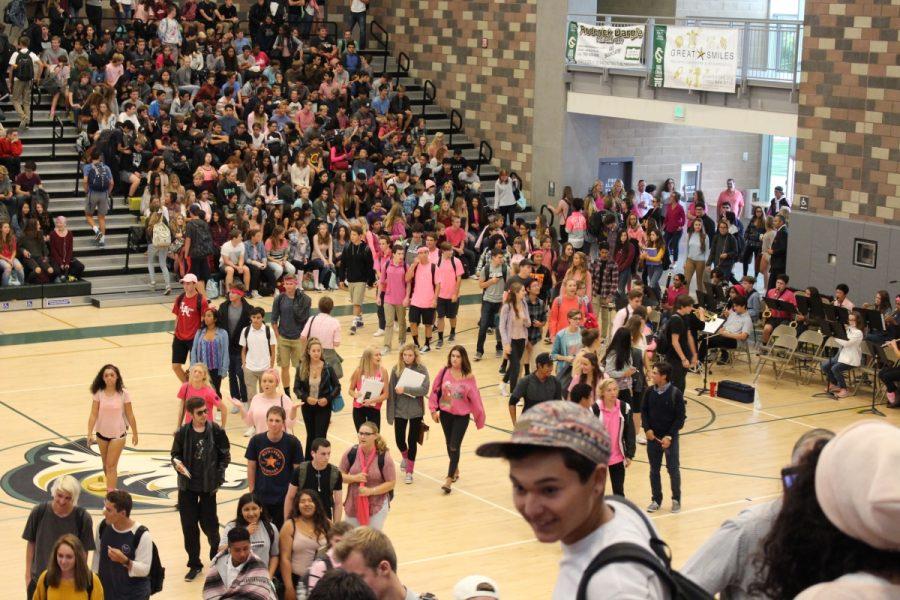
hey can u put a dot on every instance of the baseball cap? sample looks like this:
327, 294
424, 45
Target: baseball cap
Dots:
556, 424
429, 184
778, 188
525, 262
475, 586
543, 359
189, 278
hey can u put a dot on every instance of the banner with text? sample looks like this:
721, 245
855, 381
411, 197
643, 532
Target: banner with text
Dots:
694, 58
605, 45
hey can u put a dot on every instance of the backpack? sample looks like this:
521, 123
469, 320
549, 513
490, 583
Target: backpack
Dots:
161, 234
662, 338
98, 179
433, 271
201, 238
24, 70
659, 560
246, 332
351, 456
303, 469
157, 573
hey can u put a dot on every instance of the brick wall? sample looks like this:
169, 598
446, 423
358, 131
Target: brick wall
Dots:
848, 147
493, 87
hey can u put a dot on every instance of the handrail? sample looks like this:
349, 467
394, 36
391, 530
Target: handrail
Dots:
78, 174
56, 122
403, 63
485, 155
384, 42
35, 89
455, 126
429, 93
551, 219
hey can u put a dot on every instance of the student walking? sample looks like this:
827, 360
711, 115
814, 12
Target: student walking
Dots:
320, 475
252, 516
124, 550
188, 310
618, 364
492, 281
257, 342
454, 397
514, 324
616, 417
424, 288
197, 386
111, 414
25, 67
272, 456
662, 417
450, 271
316, 388
537, 387
234, 316
395, 290
68, 574
367, 407
290, 312
406, 408
301, 537
200, 453
369, 471
358, 263
270, 395
210, 348
98, 187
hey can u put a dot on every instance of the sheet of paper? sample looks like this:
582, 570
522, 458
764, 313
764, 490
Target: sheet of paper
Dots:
370, 388
713, 326
410, 379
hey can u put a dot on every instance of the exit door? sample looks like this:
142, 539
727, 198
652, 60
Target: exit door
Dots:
611, 169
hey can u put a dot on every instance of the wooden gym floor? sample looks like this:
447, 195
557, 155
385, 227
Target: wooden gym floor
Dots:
731, 454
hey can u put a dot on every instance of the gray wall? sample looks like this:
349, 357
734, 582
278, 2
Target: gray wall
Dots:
813, 237
737, 9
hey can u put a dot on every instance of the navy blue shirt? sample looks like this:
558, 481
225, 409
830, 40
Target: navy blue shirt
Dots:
275, 462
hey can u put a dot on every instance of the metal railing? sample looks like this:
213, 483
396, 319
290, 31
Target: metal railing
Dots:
429, 93
455, 124
78, 174
383, 39
485, 155
403, 63
770, 48
57, 125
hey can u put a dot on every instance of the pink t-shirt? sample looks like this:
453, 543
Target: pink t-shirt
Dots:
324, 327
260, 405
454, 235
423, 290
612, 422
207, 393
111, 414
446, 275
376, 377
394, 283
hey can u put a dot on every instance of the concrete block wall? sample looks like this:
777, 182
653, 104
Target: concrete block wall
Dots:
848, 146
738, 9
492, 87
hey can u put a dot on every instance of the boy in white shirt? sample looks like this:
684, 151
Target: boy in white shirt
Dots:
257, 350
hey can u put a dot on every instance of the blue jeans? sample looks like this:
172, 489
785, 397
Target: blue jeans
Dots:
673, 240
236, 385
834, 371
654, 273
624, 278
489, 310
359, 18
655, 454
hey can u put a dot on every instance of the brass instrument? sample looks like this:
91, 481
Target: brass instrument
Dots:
706, 316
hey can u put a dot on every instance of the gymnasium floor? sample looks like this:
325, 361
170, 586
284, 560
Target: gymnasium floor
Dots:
731, 455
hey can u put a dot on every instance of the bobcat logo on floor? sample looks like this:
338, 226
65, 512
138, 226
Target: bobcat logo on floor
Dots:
146, 474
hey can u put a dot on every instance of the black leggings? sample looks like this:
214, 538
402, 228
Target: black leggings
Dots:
454, 427
316, 419
617, 478
751, 252
216, 379
890, 376
516, 352
366, 413
408, 443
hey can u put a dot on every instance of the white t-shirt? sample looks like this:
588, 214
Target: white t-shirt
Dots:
620, 581
357, 6
258, 348
234, 253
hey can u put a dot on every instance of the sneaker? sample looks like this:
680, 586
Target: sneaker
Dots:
440, 343
192, 574
152, 286
408, 478
490, 331
97, 236
653, 507
676, 506
385, 350
478, 355
403, 463
451, 337
102, 242
641, 438
320, 287
502, 368
842, 393
378, 333
424, 349
498, 353
359, 322
250, 432
504, 388
235, 410
168, 291
353, 329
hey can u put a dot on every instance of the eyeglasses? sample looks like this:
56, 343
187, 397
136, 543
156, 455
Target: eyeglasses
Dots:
366, 433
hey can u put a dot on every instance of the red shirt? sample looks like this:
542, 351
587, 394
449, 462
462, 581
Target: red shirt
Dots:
454, 235
188, 316
187, 391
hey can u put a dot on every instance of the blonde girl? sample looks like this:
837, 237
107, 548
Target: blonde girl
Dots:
406, 407
368, 407
198, 386
619, 425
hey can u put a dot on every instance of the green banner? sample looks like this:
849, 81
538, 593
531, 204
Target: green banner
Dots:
571, 41
657, 72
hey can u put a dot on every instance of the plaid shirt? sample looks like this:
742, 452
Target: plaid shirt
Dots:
537, 311
605, 282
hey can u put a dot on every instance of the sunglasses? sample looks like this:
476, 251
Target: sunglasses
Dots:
202, 411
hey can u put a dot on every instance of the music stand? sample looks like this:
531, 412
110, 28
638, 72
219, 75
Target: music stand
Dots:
881, 358
816, 308
781, 305
803, 305
710, 329
874, 319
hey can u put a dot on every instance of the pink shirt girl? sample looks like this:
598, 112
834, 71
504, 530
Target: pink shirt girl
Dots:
458, 396
356, 403
612, 420
208, 394
111, 422
260, 405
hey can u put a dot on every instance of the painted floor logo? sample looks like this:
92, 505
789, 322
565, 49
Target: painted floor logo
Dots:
147, 475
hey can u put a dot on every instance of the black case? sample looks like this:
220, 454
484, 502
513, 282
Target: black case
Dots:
732, 390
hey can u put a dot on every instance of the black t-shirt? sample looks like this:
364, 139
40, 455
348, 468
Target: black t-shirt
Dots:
201, 446
320, 481
209, 8
274, 462
676, 326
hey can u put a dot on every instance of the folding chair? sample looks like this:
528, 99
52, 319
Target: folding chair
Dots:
809, 352
781, 354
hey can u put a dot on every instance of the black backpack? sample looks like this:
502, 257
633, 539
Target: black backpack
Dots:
662, 338
157, 573
24, 70
351, 456
659, 561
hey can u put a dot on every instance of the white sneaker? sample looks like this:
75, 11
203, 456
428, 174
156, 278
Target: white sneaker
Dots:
385, 351
320, 287
254, 294
504, 388
378, 333
235, 410
409, 478
642, 439
251, 431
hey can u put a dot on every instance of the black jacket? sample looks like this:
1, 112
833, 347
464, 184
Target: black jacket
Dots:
358, 262
234, 344
626, 428
214, 474
663, 413
329, 386
778, 262
723, 244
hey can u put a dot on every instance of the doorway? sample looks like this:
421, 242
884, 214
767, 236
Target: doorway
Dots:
611, 169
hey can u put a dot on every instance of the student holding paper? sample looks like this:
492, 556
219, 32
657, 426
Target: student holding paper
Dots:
738, 327
367, 388
406, 404
454, 397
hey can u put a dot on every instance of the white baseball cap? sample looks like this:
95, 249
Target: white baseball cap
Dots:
476, 586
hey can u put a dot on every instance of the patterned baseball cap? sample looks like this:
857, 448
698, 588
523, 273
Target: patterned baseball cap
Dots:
556, 424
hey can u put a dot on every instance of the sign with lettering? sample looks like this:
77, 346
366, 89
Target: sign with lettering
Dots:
695, 58
605, 45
